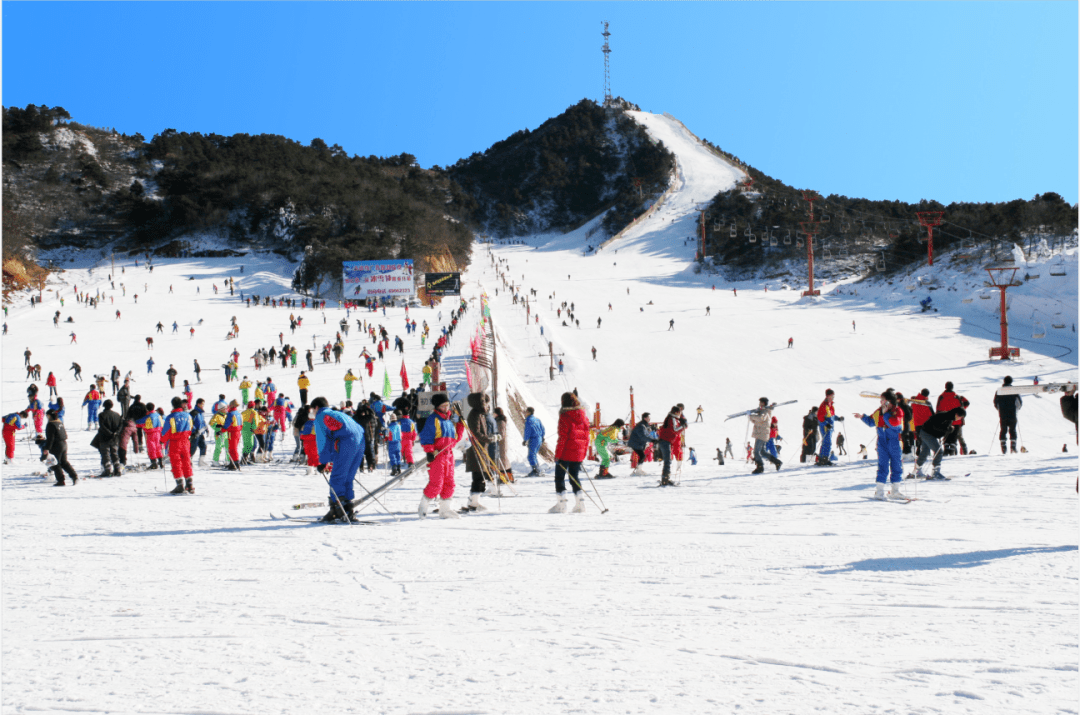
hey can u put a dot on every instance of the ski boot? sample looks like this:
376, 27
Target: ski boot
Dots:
894, 491
188, 486
879, 494
778, 464
179, 488
760, 469
605, 474
425, 504
579, 503
560, 505
665, 480
335, 513
202, 462
446, 511
474, 503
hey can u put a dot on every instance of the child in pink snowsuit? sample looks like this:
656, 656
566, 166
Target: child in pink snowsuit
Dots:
440, 435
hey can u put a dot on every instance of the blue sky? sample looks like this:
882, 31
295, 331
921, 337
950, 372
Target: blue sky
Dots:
967, 101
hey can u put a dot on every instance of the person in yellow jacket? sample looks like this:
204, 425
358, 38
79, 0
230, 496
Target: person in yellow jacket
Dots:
249, 422
303, 383
245, 390
260, 396
604, 437
220, 440
427, 374
350, 378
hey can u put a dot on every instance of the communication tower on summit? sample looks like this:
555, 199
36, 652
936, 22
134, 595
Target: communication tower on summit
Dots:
606, 49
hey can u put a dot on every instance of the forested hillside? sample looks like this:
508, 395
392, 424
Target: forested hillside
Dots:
764, 221
65, 183
572, 167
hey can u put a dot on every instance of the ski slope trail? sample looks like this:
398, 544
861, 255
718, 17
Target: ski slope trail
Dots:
784, 592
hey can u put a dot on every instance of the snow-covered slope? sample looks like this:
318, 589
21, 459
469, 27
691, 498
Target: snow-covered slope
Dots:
786, 592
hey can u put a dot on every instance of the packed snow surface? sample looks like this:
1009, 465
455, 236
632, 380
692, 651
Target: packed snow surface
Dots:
785, 592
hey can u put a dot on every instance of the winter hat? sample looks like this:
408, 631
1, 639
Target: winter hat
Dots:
829, 392
1007, 380
948, 387
251, 403
774, 421
439, 399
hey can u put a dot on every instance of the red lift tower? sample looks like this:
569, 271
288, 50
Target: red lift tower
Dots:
810, 228
1003, 351
931, 219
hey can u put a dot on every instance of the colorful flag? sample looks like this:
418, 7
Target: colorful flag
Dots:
404, 377
386, 389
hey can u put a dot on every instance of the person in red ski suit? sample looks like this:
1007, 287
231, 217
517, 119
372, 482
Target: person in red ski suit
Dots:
570, 451
438, 438
233, 426
12, 423
151, 427
408, 437
176, 432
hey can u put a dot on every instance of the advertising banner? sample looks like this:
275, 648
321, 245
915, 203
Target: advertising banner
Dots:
391, 278
442, 283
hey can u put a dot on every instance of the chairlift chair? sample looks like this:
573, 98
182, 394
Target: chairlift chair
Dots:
750, 235
881, 262
734, 231
1057, 268
787, 238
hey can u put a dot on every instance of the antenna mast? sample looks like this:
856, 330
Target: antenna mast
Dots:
606, 49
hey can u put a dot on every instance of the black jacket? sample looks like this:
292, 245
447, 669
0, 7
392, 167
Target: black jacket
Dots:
940, 424
109, 426
136, 411
55, 439
1068, 407
1007, 406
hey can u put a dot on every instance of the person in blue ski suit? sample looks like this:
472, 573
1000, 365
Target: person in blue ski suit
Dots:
340, 441
92, 403
393, 444
827, 419
534, 437
889, 421
198, 431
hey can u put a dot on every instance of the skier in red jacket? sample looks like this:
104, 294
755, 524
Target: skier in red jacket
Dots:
570, 452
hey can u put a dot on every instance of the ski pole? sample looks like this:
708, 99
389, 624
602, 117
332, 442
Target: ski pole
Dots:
336, 499
374, 499
574, 480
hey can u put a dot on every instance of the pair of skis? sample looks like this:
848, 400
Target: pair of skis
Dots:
747, 412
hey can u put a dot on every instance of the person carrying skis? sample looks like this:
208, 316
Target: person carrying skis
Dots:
1007, 406
889, 421
570, 451
151, 427
481, 436
761, 421
534, 437
932, 435
605, 437
437, 439
12, 423
341, 445
176, 432
826, 417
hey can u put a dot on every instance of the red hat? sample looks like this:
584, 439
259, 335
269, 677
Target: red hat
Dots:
774, 420
251, 404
